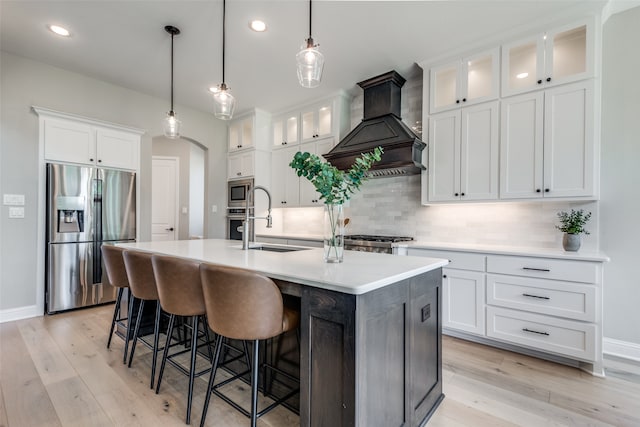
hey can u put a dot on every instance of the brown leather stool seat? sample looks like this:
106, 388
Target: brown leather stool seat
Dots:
142, 285
180, 294
117, 275
243, 305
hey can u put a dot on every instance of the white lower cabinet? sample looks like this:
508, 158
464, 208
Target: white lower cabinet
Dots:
544, 304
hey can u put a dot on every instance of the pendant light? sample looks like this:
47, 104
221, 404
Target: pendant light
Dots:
310, 61
224, 103
171, 122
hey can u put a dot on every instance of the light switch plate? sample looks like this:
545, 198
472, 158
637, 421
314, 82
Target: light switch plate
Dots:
16, 212
13, 199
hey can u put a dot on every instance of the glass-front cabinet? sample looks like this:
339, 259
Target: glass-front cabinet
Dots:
316, 121
550, 58
467, 81
241, 134
285, 129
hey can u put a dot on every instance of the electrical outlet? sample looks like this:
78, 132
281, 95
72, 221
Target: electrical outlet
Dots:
13, 199
214, 208
16, 212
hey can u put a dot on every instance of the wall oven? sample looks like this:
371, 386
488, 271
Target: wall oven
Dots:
237, 193
235, 216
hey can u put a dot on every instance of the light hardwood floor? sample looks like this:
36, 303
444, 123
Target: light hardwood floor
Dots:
57, 371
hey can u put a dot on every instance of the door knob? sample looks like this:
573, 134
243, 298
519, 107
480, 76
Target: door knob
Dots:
169, 229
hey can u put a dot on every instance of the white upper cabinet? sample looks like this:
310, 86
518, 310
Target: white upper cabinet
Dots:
285, 183
84, 143
463, 154
285, 129
547, 144
467, 81
316, 121
249, 131
549, 58
308, 194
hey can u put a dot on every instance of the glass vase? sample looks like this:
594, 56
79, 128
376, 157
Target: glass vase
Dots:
333, 233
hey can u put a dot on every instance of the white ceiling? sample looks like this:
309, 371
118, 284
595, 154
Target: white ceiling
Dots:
123, 42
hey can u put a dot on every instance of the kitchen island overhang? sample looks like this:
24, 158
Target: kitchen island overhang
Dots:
370, 329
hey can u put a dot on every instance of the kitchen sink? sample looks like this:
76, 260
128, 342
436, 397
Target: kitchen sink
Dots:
274, 248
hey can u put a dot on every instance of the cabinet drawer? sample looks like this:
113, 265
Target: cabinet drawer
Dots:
566, 337
556, 298
573, 271
460, 260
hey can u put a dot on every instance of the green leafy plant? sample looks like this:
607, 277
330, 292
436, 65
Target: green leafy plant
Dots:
573, 222
335, 186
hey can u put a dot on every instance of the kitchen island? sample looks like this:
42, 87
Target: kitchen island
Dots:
370, 328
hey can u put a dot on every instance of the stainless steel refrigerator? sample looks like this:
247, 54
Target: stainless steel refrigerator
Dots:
86, 208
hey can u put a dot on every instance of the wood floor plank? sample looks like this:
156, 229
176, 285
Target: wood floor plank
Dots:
26, 400
3, 409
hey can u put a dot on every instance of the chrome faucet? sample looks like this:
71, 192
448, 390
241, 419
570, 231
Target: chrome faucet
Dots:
247, 218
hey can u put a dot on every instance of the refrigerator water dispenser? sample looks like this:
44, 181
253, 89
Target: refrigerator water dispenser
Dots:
70, 214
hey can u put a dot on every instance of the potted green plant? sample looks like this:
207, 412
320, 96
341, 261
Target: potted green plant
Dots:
335, 188
572, 224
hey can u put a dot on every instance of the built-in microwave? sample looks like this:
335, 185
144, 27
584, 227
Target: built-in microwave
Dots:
238, 192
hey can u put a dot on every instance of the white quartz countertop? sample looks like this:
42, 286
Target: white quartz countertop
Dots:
508, 250
359, 273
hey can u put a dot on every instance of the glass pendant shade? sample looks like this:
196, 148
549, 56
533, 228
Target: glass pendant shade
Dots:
172, 126
224, 103
310, 64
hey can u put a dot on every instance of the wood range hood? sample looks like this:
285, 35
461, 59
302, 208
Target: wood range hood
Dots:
381, 126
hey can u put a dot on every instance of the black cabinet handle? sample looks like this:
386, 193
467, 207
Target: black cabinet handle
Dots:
457, 101
539, 82
444, 276
455, 194
91, 160
548, 79
464, 99
535, 296
536, 269
462, 194
239, 173
239, 145
99, 160
546, 190
538, 190
535, 332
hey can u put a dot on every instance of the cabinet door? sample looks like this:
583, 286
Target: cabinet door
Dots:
522, 65
479, 152
480, 74
568, 141
444, 87
69, 142
240, 165
316, 121
569, 54
463, 300
241, 134
117, 149
444, 156
521, 146
308, 194
285, 183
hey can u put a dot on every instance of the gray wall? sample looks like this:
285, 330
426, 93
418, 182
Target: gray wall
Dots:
24, 83
620, 202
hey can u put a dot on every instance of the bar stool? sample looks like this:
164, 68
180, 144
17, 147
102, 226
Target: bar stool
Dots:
243, 305
117, 275
180, 293
142, 285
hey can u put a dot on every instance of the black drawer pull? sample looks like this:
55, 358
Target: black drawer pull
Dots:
536, 269
534, 296
535, 332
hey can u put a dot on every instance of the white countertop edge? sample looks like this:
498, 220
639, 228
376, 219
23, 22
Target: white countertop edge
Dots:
507, 250
360, 273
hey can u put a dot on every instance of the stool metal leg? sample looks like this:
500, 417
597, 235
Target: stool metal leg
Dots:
126, 339
156, 339
116, 311
165, 353
192, 370
135, 332
212, 377
254, 384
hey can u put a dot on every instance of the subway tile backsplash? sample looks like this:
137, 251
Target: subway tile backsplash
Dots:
391, 206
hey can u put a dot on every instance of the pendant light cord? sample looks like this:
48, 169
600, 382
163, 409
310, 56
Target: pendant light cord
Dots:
224, 12
172, 72
310, 19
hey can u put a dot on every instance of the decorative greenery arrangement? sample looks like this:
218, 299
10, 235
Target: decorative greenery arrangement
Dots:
335, 186
573, 222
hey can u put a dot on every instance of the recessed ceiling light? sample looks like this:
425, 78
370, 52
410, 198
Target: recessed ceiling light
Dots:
258, 26
61, 31
522, 75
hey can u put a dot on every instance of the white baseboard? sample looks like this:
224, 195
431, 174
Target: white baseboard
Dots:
11, 314
622, 349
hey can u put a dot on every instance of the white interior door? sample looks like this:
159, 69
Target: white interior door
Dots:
164, 198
